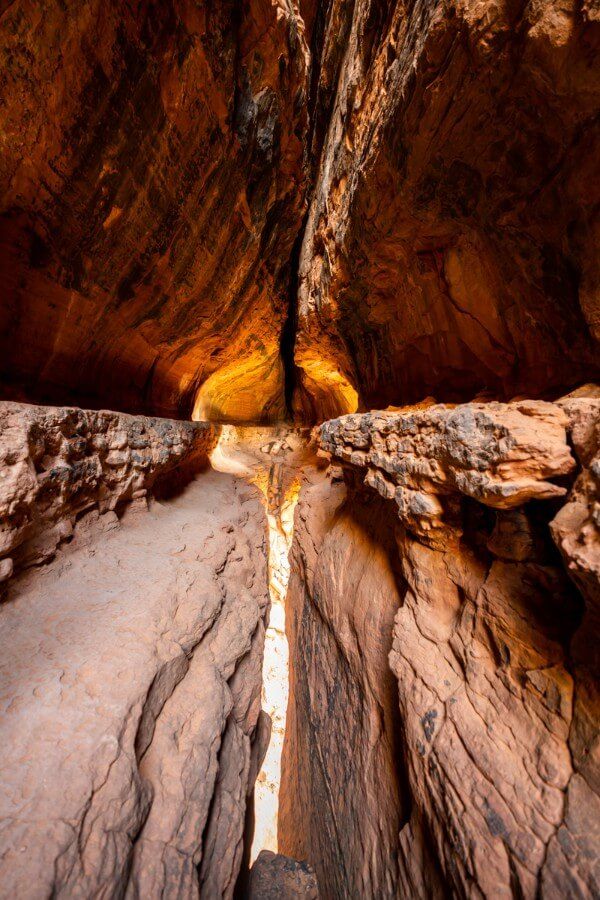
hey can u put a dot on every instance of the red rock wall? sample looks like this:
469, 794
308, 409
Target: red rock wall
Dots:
158, 159
153, 179
451, 244
151, 187
343, 797
495, 759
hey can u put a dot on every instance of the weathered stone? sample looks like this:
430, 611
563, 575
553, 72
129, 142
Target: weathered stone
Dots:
495, 762
499, 454
451, 241
576, 528
130, 681
151, 189
232, 211
277, 877
55, 464
343, 797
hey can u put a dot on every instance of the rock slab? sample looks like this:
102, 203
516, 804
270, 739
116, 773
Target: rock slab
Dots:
130, 697
277, 877
58, 462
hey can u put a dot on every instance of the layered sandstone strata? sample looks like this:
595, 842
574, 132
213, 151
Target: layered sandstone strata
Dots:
151, 188
494, 758
451, 242
158, 159
58, 462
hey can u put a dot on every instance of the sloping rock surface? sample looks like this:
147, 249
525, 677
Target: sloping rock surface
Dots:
493, 647
130, 687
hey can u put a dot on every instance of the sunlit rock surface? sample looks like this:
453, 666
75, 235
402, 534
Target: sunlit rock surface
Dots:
271, 459
57, 463
130, 696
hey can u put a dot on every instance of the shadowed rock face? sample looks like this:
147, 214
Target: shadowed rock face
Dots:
151, 187
450, 244
156, 163
487, 783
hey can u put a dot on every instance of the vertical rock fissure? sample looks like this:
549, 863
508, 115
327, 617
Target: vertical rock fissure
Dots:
289, 330
269, 459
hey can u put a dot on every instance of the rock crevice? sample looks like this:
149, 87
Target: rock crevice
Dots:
491, 643
280, 213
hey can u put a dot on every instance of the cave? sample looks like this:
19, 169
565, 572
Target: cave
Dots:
299, 449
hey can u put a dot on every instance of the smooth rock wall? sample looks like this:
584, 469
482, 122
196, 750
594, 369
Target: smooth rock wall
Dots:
151, 189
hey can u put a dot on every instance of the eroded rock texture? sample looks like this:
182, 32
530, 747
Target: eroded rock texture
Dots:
57, 463
151, 188
451, 243
494, 651
277, 877
236, 209
130, 687
158, 157
499, 454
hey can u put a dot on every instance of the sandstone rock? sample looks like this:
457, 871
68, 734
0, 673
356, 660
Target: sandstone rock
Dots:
277, 877
486, 698
451, 240
130, 684
499, 454
494, 762
6, 569
576, 528
55, 463
343, 796
231, 212
151, 189
155, 176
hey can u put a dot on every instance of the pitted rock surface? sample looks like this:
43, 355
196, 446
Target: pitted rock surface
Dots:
502, 455
491, 768
277, 877
57, 462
